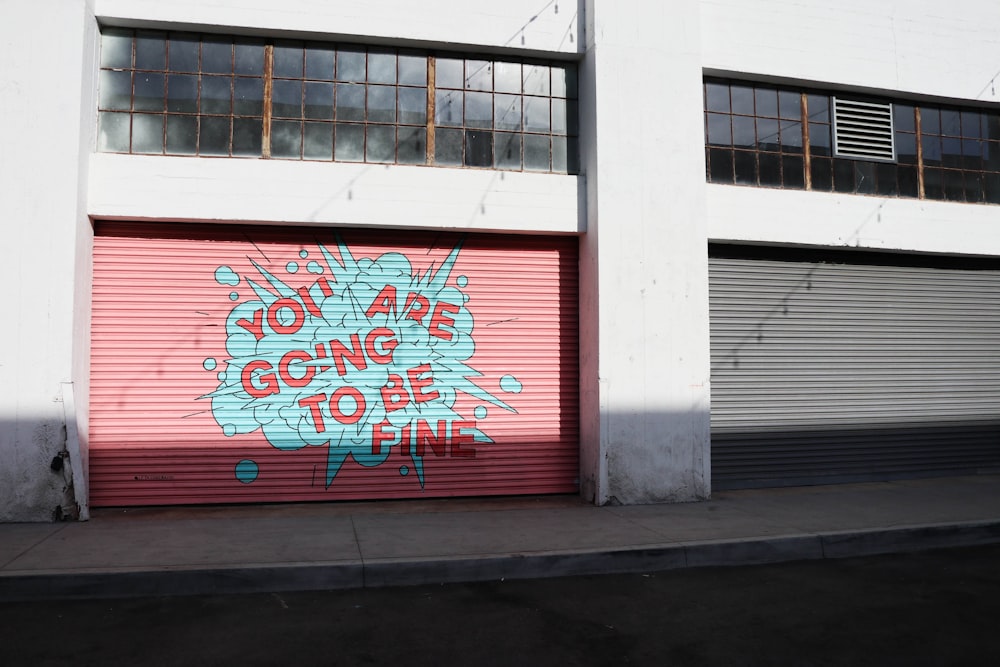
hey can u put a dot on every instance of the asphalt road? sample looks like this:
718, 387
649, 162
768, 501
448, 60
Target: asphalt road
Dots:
931, 608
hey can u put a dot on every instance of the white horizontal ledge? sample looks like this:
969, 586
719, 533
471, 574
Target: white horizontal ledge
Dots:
135, 187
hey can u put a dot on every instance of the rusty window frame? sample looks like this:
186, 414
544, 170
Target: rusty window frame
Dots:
121, 122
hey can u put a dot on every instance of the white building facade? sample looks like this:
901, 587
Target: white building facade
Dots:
680, 312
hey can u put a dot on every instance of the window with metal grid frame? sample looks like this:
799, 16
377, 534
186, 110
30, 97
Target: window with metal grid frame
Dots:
170, 93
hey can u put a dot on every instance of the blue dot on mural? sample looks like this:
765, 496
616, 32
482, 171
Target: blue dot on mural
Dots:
222, 376
404, 471
226, 276
303, 253
292, 267
314, 267
233, 296
480, 412
247, 471
209, 364
510, 384
462, 281
229, 430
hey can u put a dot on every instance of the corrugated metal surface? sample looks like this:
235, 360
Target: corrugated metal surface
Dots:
826, 372
247, 364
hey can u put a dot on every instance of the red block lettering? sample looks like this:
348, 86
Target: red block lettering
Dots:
317, 414
268, 380
440, 318
254, 326
384, 302
419, 383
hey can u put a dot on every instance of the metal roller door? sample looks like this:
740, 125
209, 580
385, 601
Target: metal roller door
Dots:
255, 364
844, 367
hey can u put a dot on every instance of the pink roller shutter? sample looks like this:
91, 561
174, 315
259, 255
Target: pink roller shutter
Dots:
256, 364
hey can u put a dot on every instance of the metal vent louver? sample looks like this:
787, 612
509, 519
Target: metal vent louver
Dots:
863, 130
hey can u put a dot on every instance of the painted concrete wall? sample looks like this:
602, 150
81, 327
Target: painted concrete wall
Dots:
645, 359
48, 65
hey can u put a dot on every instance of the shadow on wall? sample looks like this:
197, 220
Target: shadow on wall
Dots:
36, 478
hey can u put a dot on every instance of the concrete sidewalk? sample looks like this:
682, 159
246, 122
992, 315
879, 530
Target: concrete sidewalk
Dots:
349, 545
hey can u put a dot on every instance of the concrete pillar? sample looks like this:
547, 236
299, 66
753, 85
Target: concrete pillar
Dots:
644, 275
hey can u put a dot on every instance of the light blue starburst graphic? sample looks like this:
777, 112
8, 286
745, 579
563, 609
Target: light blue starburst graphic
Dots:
370, 356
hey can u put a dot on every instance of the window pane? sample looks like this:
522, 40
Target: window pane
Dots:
182, 93
954, 188
770, 169
448, 108
507, 77
412, 70
381, 67
288, 60
478, 75
382, 104
412, 145
973, 187
864, 177
719, 130
250, 58
930, 121
182, 53
717, 97
885, 175
907, 177
819, 139
971, 125
991, 155
147, 133
767, 134
508, 151
720, 165
536, 152
559, 124
791, 137
116, 48
745, 167
991, 188
113, 136
536, 79
286, 99
931, 149
215, 94
572, 117
507, 112
934, 183
819, 108
536, 114
350, 101
150, 51
744, 132
479, 110
448, 147
248, 97
286, 138
318, 143
951, 152
350, 65
478, 148
319, 101
320, 60
216, 56
449, 73
821, 173
843, 175
793, 172
214, 136
951, 123
559, 154
906, 148
972, 154
381, 143
564, 83
766, 100
572, 155
789, 104
413, 106
350, 143
149, 92
182, 135
247, 136
903, 119
116, 90
742, 99
992, 124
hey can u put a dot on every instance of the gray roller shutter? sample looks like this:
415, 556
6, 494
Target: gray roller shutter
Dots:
829, 372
